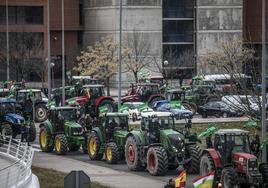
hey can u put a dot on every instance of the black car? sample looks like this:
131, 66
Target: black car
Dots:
218, 109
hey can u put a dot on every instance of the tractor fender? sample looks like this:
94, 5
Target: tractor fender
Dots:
98, 132
136, 136
100, 99
215, 157
48, 123
156, 96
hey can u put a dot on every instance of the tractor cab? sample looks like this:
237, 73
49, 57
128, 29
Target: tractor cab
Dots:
59, 115
94, 91
155, 122
230, 141
117, 121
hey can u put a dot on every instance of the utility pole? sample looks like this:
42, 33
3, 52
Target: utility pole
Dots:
120, 58
63, 53
263, 114
7, 40
48, 50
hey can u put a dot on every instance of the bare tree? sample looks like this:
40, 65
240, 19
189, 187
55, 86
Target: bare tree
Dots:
230, 57
136, 53
100, 60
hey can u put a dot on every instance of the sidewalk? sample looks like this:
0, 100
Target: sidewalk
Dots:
102, 175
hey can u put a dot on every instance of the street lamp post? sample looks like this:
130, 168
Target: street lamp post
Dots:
120, 58
52, 73
48, 50
263, 114
7, 40
63, 53
166, 64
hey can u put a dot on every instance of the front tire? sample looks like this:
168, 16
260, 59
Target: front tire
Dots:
229, 178
6, 130
206, 165
93, 146
45, 139
194, 153
61, 144
111, 153
32, 133
40, 113
157, 161
132, 154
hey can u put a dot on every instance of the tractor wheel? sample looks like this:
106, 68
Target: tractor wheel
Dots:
157, 161
40, 113
264, 171
6, 130
204, 115
61, 144
194, 153
206, 165
45, 139
74, 147
229, 178
132, 154
109, 104
93, 147
112, 154
32, 133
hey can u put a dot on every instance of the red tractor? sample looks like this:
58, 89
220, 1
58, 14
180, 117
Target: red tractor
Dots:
92, 97
231, 160
143, 92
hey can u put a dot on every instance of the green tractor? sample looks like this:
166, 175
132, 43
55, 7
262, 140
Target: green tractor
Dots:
61, 131
109, 137
158, 146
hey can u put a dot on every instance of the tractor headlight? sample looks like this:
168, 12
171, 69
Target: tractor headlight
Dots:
77, 131
252, 164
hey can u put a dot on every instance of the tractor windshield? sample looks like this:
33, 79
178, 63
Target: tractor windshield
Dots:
69, 114
164, 122
239, 143
94, 91
118, 121
8, 107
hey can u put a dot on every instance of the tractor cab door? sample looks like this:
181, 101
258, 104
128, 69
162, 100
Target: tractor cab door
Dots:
154, 131
220, 147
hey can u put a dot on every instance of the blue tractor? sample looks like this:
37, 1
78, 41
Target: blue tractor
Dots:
12, 124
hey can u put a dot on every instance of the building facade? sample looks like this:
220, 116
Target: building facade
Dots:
27, 30
138, 16
217, 20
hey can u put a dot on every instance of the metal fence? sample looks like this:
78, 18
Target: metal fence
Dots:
16, 157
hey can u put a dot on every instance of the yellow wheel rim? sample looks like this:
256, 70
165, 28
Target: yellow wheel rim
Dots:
57, 144
43, 136
109, 154
92, 146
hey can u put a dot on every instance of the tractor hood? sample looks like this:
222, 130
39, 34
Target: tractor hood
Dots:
14, 118
121, 133
72, 124
175, 138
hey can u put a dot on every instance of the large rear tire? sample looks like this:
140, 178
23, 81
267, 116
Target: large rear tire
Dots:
194, 153
229, 178
206, 165
132, 154
93, 147
111, 153
46, 139
61, 144
157, 161
40, 113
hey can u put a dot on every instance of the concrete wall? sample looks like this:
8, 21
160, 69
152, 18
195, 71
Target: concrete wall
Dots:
102, 19
217, 20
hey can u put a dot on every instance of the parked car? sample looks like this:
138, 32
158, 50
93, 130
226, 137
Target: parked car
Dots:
134, 109
218, 109
179, 111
